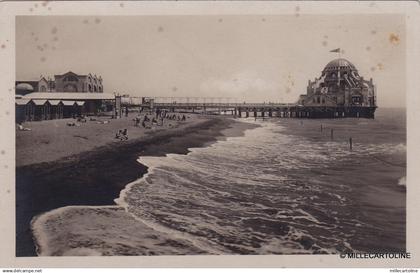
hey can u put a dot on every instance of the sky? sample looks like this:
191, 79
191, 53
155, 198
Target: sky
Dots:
252, 58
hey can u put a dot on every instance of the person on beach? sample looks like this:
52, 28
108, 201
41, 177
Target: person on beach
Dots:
21, 128
137, 121
81, 119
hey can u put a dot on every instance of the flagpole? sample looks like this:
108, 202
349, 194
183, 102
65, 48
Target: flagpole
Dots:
337, 50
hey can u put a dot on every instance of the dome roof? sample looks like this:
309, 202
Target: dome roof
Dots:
25, 87
339, 63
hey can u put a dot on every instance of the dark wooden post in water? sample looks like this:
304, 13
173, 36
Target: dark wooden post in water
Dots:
351, 144
321, 127
332, 134
247, 113
270, 112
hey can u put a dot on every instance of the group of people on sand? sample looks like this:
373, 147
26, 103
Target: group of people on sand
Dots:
150, 119
122, 135
83, 119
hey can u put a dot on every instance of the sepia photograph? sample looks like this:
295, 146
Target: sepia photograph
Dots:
210, 134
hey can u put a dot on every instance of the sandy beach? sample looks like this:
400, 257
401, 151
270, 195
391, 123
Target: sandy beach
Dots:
53, 139
60, 165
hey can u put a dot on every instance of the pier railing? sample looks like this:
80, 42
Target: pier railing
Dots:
270, 109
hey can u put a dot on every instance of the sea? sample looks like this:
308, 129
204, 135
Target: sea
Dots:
289, 186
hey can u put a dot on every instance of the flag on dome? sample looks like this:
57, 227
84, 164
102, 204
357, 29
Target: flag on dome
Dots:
337, 50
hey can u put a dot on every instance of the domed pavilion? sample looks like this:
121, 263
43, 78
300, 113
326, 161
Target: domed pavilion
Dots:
340, 85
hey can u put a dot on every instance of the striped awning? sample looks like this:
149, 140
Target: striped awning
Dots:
22, 101
39, 102
54, 102
68, 102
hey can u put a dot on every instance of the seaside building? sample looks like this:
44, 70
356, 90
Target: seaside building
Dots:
340, 85
66, 96
71, 82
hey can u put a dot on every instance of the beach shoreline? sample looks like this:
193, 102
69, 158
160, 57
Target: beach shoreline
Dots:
96, 177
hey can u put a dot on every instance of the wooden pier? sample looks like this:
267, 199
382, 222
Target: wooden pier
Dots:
280, 110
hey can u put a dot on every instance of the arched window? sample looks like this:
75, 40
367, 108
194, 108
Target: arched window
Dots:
318, 99
90, 88
43, 89
94, 88
70, 78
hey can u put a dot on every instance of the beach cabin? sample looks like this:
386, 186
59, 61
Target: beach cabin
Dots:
42, 109
80, 108
57, 108
68, 108
25, 110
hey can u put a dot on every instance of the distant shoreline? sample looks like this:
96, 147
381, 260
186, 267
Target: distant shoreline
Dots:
95, 178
